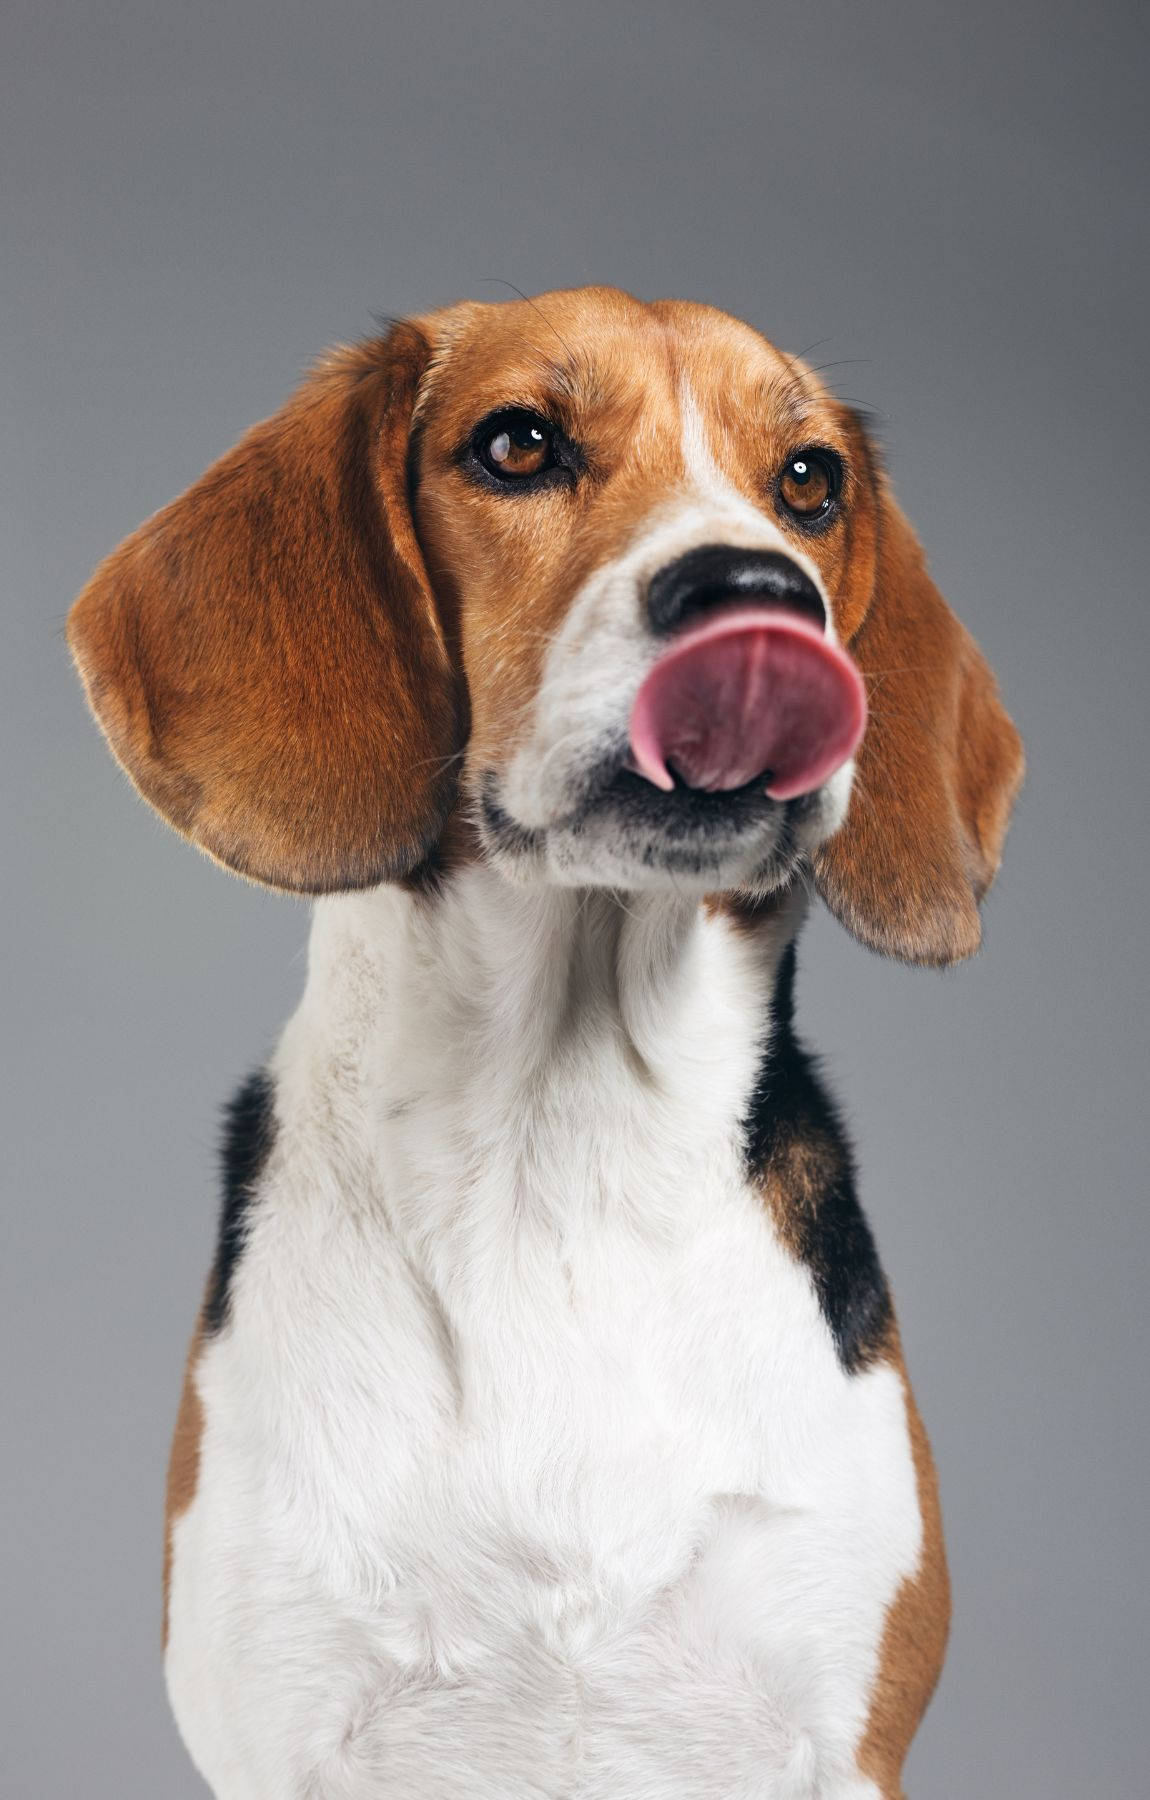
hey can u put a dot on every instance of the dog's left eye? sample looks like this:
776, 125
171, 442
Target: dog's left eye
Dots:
516, 445
809, 483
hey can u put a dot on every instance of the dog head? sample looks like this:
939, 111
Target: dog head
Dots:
594, 589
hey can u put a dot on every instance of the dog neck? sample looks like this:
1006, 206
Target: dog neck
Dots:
508, 1054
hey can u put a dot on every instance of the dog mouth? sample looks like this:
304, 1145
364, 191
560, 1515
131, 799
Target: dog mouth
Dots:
752, 694
675, 830
733, 734
676, 808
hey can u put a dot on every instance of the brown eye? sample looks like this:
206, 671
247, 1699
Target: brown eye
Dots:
808, 484
517, 445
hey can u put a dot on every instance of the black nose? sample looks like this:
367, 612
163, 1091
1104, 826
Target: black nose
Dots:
718, 575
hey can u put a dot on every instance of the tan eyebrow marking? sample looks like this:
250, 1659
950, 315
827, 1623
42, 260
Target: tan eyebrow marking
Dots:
789, 395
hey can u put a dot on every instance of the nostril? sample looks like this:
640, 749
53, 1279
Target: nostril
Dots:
721, 575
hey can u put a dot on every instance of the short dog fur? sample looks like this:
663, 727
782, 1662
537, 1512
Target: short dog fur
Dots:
545, 1432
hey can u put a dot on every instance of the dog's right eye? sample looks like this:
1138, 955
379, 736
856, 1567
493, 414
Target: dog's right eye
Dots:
516, 445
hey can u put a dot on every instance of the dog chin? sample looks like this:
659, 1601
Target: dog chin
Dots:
752, 845
620, 865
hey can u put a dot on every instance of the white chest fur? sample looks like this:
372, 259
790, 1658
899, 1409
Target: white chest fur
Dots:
528, 1467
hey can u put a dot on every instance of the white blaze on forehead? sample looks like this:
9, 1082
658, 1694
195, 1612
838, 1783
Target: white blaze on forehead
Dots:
709, 485
703, 472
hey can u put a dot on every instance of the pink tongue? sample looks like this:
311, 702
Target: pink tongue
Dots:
750, 691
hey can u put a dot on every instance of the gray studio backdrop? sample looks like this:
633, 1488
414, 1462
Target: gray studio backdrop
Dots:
949, 201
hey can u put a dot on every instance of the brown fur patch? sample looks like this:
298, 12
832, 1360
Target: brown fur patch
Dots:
794, 1182
937, 774
183, 1461
748, 913
265, 655
917, 1624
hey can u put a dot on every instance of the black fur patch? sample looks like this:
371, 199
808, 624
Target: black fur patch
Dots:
795, 1140
249, 1131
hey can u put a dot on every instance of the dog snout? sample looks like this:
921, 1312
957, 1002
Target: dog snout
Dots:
715, 575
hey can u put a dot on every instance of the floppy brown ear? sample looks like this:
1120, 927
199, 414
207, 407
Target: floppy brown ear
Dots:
265, 655
937, 771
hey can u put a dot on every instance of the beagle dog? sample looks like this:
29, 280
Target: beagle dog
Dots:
545, 1433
